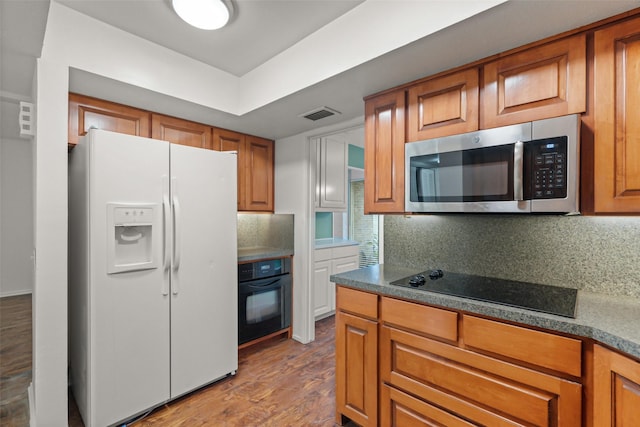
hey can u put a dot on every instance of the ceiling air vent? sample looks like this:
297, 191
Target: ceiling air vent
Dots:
319, 113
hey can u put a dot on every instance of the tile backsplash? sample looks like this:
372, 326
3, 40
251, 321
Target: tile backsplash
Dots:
598, 254
265, 230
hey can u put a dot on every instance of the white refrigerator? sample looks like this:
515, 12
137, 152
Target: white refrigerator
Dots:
152, 273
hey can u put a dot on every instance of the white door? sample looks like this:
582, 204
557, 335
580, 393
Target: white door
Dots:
129, 311
204, 334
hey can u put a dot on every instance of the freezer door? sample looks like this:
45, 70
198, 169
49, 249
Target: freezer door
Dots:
204, 267
128, 349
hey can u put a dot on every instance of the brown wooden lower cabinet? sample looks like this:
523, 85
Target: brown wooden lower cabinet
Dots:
616, 389
356, 357
432, 366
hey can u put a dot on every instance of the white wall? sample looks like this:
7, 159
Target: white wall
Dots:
16, 203
49, 370
16, 216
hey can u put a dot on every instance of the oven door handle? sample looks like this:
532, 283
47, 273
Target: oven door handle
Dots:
266, 286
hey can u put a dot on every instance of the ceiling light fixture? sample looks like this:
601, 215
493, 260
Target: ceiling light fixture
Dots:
203, 14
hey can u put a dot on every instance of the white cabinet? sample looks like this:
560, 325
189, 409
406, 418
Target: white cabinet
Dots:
332, 159
324, 299
330, 261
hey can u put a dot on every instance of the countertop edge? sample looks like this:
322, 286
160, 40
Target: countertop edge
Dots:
603, 318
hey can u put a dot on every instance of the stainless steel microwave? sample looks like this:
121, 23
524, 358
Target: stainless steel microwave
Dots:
525, 168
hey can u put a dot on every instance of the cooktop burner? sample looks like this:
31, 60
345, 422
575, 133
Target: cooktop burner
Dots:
532, 296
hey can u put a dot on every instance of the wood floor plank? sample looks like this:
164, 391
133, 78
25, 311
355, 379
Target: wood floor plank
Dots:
15, 360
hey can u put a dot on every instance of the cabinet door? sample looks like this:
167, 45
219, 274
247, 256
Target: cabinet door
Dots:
226, 140
356, 369
443, 106
617, 128
384, 153
323, 291
258, 183
537, 83
178, 131
86, 112
333, 173
616, 392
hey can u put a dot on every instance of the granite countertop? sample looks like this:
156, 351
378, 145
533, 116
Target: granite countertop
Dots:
262, 252
611, 320
334, 242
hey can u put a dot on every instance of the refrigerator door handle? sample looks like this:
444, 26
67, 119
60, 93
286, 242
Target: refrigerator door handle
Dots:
166, 208
177, 251
166, 211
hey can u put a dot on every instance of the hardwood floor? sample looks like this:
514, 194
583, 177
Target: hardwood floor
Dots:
15, 360
279, 383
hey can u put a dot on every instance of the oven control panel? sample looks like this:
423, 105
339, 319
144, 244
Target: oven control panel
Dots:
262, 269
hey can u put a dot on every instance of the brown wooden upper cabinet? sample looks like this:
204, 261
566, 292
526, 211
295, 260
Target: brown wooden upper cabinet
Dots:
86, 112
179, 131
255, 155
258, 185
226, 140
443, 106
536, 83
255, 168
616, 111
384, 140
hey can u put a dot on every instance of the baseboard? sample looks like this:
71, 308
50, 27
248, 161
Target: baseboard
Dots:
15, 293
32, 409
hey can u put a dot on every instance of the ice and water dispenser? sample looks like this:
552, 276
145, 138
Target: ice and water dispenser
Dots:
133, 231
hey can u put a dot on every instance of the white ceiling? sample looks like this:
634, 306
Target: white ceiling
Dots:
262, 29
258, 31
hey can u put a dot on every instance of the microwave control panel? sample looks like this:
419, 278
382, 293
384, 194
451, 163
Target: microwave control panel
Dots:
546, 160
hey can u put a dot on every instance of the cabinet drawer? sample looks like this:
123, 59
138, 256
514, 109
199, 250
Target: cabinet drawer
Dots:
345, 251
423, 319
400, 409
341, 265
357, 302
478, 388
323, 254
532, 347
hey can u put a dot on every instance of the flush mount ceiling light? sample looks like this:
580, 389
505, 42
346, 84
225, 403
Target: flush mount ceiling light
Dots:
203, 14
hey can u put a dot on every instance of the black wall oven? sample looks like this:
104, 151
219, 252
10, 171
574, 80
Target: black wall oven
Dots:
264, 298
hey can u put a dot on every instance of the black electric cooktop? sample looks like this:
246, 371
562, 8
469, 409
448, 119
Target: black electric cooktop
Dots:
532, 296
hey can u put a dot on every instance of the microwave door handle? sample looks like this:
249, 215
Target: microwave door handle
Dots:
518, 162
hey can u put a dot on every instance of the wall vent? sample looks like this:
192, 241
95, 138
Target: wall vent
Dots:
319, 113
